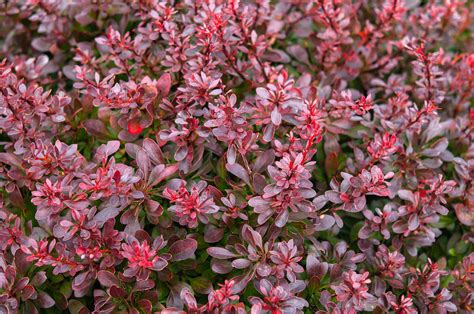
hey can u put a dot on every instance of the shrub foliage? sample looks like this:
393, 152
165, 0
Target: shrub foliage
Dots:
211, 156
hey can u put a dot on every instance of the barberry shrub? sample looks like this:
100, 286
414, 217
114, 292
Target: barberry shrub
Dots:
236, 156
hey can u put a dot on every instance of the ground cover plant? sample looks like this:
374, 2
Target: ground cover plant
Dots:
211, 156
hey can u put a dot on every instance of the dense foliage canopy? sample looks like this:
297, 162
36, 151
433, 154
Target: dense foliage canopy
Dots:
236, 156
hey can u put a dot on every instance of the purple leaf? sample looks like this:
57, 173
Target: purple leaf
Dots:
406, 195
282, 219
276, 117
325, 222
213, 234
266, 158
44, 300
117, 292
107, 279
220, 253
10, 159
154, 151
144, 285
181, 153
241, 263
221, 266
238, 171
95, 127
183, 249
413, 222
143, 161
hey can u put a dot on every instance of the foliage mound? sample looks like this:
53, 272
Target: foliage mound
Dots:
211, 156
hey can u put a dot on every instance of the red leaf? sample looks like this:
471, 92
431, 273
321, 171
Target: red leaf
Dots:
134, 127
